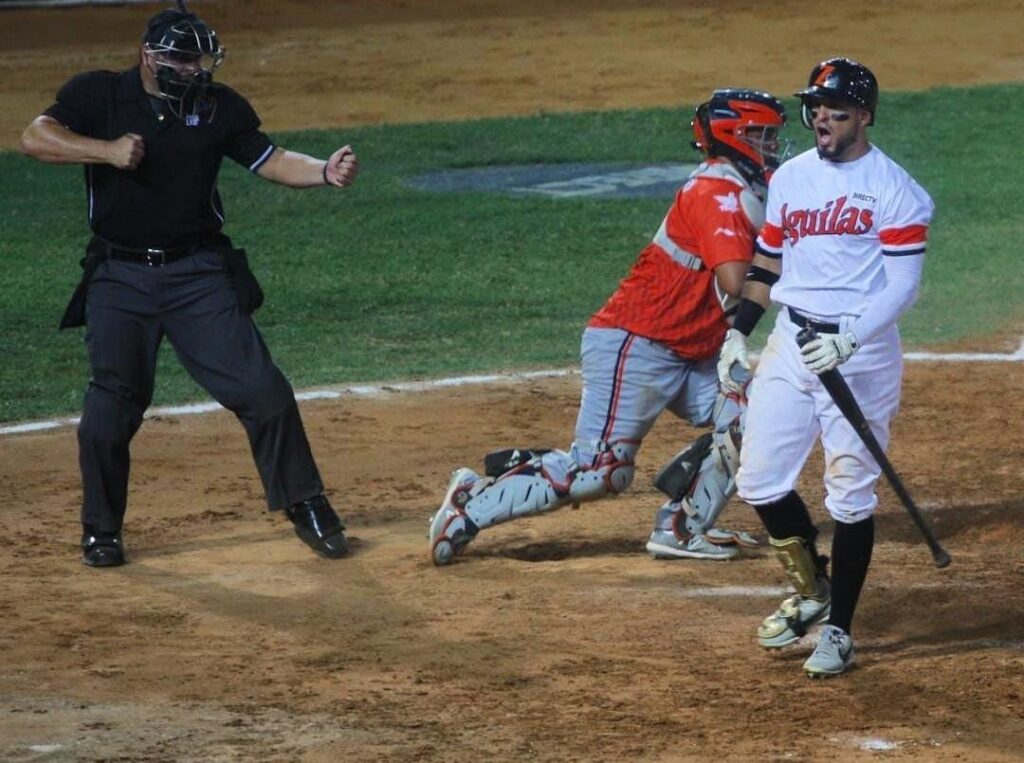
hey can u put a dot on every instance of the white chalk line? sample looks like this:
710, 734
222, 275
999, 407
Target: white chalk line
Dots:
733, 591
368, 390
967, 357
374, 390
874, 744
753, 592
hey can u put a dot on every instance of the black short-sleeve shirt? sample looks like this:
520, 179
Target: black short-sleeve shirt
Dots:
171, 197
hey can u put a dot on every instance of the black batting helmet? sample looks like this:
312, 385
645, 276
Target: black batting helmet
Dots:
843, 80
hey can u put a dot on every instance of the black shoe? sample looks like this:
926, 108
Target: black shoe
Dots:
319, 527
102, 549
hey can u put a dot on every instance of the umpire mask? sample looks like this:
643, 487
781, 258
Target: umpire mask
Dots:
186, 52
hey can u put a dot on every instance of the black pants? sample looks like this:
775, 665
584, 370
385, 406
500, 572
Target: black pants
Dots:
130, 308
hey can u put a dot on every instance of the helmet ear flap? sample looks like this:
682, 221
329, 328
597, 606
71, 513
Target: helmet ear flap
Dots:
805, 114
701, 125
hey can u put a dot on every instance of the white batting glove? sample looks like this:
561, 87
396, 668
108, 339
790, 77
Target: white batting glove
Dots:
828, 351
734, 350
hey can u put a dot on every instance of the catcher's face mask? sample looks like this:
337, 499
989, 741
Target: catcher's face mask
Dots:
183, 54
743, 125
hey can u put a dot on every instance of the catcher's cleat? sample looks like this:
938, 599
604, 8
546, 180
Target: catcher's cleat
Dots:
794, 617
319, 527
102, 549
663, 544
731, 538
450, 529
833, 654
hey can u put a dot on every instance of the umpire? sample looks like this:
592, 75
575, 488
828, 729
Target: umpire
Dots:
151, 140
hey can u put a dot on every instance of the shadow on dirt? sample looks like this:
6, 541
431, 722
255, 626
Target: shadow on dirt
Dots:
557, 550
951, 522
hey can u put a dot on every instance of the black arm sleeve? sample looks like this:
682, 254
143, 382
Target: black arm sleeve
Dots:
246, 143
747, 316
762, 275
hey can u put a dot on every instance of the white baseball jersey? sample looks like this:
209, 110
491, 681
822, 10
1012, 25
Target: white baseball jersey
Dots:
832, 222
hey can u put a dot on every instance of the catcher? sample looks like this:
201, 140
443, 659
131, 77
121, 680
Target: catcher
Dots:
653, 346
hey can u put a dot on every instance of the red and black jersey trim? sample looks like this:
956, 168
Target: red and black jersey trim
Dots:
899, 242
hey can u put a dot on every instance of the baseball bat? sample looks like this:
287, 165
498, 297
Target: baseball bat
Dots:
843, 397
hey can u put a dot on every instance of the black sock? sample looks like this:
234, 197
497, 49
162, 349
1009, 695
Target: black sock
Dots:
787, 518
851, 555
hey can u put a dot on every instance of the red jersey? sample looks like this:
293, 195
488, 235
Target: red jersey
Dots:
670, 294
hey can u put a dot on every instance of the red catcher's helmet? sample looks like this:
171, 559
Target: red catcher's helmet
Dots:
742, 125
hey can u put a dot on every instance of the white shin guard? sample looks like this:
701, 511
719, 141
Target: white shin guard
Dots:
715, 483
512, 496
550, 481
701, 479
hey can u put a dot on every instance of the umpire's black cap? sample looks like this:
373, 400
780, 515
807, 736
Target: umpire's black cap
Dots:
159, 23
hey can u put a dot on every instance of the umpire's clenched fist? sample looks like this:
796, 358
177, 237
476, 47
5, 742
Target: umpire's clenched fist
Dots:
127, 151
342, 167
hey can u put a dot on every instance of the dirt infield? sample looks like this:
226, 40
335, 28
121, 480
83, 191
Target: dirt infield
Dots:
305, 63
555, 638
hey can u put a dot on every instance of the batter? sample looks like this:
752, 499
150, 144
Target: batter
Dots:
841, 251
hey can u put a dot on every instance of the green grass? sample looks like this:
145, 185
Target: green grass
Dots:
383, 282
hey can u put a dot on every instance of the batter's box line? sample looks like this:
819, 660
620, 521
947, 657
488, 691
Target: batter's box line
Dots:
377, 390
967, 357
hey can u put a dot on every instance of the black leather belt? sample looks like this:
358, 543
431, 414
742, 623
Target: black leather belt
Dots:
152, 256
803, 322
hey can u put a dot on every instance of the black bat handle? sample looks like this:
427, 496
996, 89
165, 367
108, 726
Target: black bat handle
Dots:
805, 335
